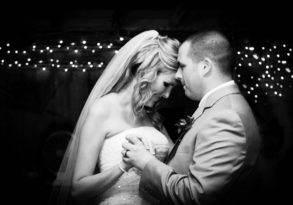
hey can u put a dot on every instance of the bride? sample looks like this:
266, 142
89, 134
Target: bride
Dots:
121, 103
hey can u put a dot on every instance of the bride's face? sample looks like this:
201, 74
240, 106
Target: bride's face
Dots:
161, 87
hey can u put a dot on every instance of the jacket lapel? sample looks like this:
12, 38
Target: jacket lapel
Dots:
210, 101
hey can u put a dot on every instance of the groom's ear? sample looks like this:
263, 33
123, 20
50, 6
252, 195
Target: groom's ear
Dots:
205, 67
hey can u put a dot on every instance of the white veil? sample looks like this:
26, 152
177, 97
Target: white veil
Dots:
110, 76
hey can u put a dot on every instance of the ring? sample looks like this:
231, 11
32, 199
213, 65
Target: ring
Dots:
125, 153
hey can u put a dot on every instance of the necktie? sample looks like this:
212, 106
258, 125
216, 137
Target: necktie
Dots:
173, 151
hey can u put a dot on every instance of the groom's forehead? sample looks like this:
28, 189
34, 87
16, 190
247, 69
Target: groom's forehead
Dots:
183, 50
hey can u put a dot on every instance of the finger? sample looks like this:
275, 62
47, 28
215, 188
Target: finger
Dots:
128, 146
126, 160
148, 145
133, 139
145, 142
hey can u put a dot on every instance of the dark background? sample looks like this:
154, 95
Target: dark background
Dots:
39, 111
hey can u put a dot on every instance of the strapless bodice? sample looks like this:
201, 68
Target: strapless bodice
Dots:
125, 190
110, 154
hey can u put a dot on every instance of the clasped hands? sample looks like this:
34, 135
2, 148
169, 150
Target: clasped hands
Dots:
137, 152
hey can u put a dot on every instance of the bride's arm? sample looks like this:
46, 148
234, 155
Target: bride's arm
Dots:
86, 184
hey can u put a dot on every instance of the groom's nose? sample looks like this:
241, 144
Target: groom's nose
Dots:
178, 75
166, 94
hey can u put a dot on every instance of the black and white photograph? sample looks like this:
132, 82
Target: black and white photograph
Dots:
119, 103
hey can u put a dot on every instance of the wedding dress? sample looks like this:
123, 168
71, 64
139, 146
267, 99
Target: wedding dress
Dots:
126, 189
111, 152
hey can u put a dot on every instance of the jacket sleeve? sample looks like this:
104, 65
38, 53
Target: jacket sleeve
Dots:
219, 153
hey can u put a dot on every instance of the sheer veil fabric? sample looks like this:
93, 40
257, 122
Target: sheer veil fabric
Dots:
112, 73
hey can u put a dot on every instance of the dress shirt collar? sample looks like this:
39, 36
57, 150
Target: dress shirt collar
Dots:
229, 83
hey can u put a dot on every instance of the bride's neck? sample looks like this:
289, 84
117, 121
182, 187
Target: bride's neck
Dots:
125, 100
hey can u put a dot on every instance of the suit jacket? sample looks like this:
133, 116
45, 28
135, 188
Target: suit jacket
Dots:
221, 146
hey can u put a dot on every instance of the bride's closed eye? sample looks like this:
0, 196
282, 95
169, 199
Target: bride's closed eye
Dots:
167, 84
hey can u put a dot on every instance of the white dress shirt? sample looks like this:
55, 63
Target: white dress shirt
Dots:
229, 83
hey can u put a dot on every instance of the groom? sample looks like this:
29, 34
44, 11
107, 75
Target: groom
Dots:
217, 154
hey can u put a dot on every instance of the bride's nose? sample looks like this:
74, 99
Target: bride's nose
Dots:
178, 75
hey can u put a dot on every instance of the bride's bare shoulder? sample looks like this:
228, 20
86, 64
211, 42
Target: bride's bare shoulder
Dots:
104, 105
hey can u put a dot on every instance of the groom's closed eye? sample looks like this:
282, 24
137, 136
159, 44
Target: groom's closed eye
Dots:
181, 66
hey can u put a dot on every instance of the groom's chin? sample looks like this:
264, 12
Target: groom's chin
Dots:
188, 94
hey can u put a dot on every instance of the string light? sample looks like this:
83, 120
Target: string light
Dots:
265, 69
268, 68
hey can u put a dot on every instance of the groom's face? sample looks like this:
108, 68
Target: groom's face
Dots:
188, 73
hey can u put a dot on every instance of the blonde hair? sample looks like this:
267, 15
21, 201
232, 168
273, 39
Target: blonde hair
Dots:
157, 55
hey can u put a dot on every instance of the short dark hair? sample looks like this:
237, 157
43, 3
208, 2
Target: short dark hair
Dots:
214, 45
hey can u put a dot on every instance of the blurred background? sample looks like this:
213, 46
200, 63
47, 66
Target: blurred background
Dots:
51, 56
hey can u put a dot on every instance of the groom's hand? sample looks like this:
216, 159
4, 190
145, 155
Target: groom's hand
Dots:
135, 153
